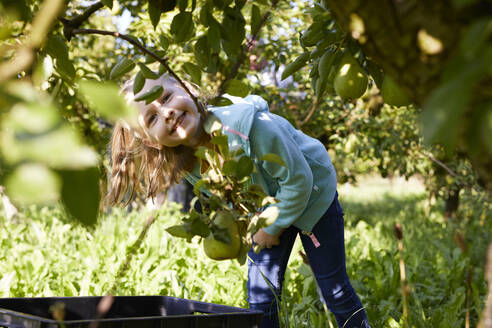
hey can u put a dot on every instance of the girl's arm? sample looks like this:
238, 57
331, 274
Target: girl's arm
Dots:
273, 134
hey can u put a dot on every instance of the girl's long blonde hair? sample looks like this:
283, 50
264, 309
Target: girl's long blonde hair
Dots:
138, 167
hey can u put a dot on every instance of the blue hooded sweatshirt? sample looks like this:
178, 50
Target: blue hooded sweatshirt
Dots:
305, 187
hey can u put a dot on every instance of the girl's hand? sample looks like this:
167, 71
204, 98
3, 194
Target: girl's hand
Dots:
265, 240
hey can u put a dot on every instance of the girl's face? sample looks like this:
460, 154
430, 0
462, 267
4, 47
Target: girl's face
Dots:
172, 119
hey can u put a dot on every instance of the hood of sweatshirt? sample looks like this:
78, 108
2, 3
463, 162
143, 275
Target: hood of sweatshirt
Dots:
237, 119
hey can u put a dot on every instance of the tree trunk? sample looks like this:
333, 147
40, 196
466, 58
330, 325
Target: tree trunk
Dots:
392, 30
452, 202
486, 321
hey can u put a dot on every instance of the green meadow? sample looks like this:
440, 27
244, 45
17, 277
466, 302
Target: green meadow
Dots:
44, 253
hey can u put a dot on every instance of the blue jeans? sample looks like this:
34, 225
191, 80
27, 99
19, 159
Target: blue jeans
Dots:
327, 263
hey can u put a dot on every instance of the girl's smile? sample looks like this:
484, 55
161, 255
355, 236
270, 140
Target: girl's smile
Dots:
172, 119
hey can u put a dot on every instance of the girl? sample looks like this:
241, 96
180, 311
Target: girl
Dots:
160, 150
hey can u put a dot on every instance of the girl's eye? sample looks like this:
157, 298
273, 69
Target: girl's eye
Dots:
165, 98
151, 119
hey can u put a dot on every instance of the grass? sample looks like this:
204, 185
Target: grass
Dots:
43, 253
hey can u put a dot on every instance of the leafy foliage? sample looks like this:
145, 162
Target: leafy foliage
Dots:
437, 267
212, 42
225, 187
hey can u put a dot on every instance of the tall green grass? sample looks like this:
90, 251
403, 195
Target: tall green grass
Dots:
43, 253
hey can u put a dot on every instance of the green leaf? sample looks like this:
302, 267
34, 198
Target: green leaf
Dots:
215, 202
58, 50
205, 14
313, 34
296, 65
35, 132
123, 66
199, 228
221, 141
164, 42
268, 216
273, 158
229, 168
244, 167
164, 5
256, 190
243, 253
255, 18
151, 95
151, 59
213, 36
182, 4
220, 101
321, 84
325, 63
43, 69
194, 71
108, 3
179, 231
202, 52
182, 27
232, 32
147, 72
240, 3
80, 193
154, 13
442, 112
233, 26
138, 83
237, 88
376, 73
33, 184
198, 186
106, 100
268, 200
212, 124
236, 150
56, 47
65, 68
34, 118
443, 109
486, 127
221, 234
200, 152
475, 37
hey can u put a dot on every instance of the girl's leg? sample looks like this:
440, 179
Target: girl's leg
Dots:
328, 265
265, 276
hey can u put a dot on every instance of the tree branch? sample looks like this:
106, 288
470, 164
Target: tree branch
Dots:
245, 49
24, 55
140, 46
441, 164
311, 111
77, 20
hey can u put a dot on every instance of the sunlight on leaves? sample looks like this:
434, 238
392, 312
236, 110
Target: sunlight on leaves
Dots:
33, 184
106, 100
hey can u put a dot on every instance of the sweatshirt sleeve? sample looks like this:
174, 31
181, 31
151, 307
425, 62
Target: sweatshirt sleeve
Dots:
295, 180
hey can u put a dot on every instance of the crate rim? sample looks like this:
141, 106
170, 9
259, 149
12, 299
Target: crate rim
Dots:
235, 311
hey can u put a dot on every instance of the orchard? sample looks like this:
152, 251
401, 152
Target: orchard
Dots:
395, 88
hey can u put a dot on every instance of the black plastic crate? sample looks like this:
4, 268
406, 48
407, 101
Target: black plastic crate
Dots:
125, 312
